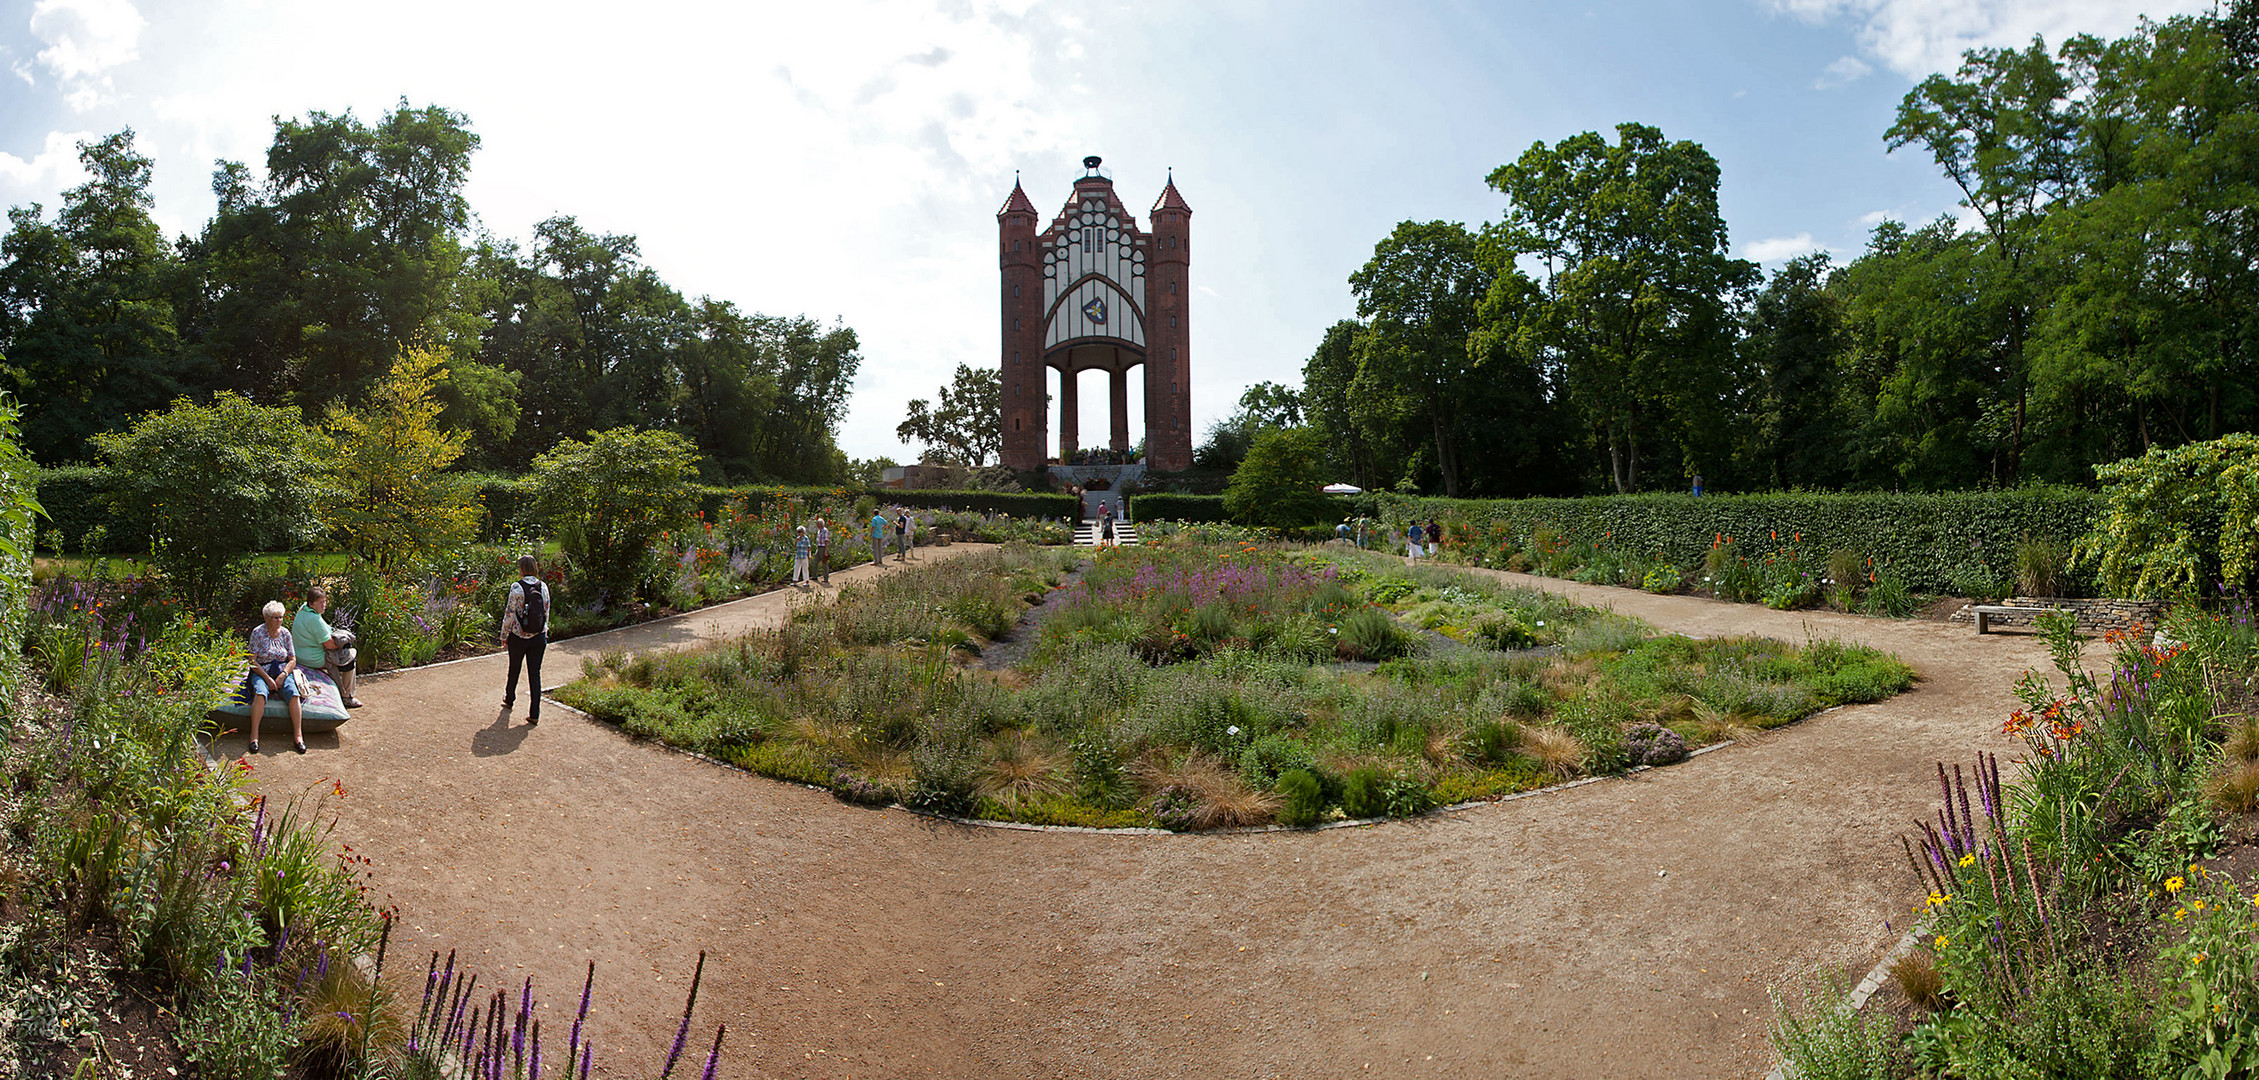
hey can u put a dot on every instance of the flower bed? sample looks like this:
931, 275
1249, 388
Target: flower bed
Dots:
1201, 686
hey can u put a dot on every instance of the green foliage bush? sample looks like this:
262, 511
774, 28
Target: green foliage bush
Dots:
1277, 486
610, 497
76, 499
1933, 542
1017, 504
220, 482
2178, 521
19, 510
1173, 507
1302, 799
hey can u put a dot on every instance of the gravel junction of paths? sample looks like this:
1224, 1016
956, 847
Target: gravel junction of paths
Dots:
1620, 929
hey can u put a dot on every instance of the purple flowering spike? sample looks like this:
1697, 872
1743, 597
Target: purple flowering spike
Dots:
587, 1054
714, 1056
533, 1060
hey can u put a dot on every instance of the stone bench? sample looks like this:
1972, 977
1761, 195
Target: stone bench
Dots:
1985, 612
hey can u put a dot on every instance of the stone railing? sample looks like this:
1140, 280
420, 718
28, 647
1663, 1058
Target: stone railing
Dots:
2100, 614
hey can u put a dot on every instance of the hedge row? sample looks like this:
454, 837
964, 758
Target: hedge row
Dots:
1173, 507
1947, 542
75, 504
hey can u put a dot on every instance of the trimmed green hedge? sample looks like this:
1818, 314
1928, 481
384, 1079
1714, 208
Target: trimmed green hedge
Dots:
1015, 503
1946, 542
76, 498
1173, 507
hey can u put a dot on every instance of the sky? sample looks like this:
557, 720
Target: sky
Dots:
845, 160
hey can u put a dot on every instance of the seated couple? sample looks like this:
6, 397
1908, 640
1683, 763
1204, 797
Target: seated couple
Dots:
278, 654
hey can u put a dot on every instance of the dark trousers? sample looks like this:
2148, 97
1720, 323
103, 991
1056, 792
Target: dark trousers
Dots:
526, 650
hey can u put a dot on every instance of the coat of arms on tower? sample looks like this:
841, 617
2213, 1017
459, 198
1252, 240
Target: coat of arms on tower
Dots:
1096, 310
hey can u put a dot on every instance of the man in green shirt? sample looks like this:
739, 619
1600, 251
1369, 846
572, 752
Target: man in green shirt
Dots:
314, 637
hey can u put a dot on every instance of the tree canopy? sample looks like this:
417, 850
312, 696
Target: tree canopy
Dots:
354, 241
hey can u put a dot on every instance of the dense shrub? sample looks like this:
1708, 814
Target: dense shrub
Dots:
1941, 542
1302, 799
2179, 520
610, 497
19, 504
1653, 744
220, 483
76, 500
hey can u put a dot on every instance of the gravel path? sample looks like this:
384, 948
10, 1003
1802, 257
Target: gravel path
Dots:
1620, 929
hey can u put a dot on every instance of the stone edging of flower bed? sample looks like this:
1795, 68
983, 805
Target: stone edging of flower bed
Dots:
1857, 999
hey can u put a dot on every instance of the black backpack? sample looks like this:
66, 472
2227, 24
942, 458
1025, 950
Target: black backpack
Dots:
534, 617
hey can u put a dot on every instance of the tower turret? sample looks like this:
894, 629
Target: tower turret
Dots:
1026, 397
1168, 358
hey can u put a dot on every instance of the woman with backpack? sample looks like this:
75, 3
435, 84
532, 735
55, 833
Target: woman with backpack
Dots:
525, 632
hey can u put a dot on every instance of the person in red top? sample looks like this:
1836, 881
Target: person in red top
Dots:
525, 632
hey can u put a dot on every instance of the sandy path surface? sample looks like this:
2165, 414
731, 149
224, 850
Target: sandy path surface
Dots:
1625, 928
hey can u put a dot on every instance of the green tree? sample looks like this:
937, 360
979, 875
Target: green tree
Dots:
1795, 434
1278, 484
351, 249
218, 483
394, 503
1418, 294
2001, 132
1330, 402
1638, 289
961, 426
87, 306
1263, 405
609, 498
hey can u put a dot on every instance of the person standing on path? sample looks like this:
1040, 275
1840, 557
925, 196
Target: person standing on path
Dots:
1435, 538
800, 555
1412, 538
901, 533
321, 647
525, 632
878, 537
822, 539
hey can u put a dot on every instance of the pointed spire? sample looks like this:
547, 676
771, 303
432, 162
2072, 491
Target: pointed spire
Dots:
1017, 202
1170, 199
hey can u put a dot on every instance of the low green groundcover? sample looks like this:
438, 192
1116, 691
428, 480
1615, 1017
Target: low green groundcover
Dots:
1195, 685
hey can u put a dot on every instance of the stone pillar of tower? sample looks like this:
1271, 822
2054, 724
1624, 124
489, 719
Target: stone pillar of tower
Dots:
1118, 379
1168, 358
1070, 416
1026, 399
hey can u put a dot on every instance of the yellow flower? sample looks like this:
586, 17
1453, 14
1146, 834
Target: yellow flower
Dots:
2197, 959
1968, 860
2173, 884
2197, 905
1943, 941
2179, 914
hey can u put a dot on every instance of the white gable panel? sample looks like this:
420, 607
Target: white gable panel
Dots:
1081, 315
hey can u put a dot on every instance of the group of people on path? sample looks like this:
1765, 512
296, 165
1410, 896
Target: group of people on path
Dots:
281, 656
811, 548
1420, 540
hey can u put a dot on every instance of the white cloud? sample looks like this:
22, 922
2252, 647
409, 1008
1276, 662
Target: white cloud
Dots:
1845, 69
1918, 37
54, 168
1781, 248
85, 39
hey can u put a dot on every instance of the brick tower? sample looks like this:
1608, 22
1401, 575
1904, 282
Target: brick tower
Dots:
1095, 291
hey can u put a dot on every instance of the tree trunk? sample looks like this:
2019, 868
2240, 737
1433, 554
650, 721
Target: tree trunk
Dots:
1446, 458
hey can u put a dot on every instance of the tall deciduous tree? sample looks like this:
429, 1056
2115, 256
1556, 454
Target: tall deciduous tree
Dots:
349, 249
1638, 286
960, 426
1418, 294
88, 321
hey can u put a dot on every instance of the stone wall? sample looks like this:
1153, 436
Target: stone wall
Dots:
2099, 615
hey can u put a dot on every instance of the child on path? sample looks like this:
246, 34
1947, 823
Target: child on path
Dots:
822, 538
800, 556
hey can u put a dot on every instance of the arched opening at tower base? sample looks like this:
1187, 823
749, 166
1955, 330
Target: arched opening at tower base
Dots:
1097, 411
